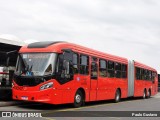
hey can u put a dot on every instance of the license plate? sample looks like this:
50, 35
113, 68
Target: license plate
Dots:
24, 98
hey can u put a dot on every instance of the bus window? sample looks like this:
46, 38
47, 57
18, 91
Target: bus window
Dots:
84, 65
63, 73
142, 74
150, 75
110, 69
102, 68
153, 76
75, 63
138, 73
145, 74
49, 69
94, 70
60, 65
117, 70
124, 71
94, 59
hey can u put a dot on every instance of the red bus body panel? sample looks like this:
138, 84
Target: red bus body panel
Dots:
140, 85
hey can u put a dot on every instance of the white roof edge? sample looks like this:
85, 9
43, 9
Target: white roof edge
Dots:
12, 42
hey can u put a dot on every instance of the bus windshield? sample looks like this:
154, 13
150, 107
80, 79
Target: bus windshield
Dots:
36, 64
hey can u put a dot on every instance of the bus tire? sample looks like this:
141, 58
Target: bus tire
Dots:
144, 94
78, 99
149, 93
117, 96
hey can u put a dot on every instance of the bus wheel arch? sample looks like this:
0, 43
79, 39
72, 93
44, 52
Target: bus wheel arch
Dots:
149, 93
117, 95
79, 98
144, 93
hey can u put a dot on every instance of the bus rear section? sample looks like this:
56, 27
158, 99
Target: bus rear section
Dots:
143, 80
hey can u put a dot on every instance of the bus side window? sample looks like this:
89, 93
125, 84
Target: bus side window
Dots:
94, 68
117, 70
94, 72
153, 77
111, 72
145, 74
150, 75
75, 63
124, 71
147, 77
102, 68
84, 65
59, 68
138, 73
142, 74
49, 69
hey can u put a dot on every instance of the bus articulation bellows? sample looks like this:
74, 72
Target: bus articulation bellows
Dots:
62, 72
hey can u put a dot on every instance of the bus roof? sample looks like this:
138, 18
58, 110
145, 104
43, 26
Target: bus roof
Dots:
138, 64
57, 46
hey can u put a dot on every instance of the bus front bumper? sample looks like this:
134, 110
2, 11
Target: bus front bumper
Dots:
44, 96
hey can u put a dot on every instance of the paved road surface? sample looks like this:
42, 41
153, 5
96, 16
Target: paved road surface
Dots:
136, 104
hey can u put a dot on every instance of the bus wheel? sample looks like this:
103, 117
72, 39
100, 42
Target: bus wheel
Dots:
144, 94
78, 99
149, 94
117, 96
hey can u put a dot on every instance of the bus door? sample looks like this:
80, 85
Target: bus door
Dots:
93, 79
65, 76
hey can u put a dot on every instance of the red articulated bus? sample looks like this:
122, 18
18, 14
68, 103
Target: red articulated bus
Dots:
62, 72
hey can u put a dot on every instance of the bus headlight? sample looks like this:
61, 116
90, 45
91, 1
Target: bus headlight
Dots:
46, 86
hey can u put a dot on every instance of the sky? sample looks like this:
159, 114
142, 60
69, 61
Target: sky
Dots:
127, 28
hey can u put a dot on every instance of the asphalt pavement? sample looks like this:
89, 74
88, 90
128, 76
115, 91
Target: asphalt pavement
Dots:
93, 110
